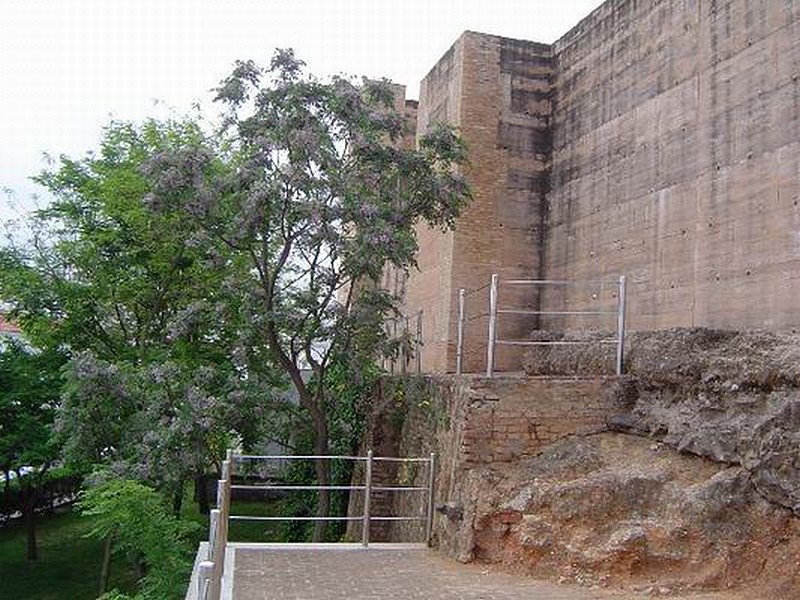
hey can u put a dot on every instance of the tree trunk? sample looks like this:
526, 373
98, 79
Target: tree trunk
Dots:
105, 566
139, 567
323, 471
177, 500
201, 494
7, 489
29, 518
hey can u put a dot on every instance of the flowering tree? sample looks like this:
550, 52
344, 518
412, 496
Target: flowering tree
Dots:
156, 380
306, 188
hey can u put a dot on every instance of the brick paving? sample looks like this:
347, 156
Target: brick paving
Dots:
354, 573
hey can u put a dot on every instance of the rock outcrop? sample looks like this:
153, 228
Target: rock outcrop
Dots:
731, 397
695, 484
621, 510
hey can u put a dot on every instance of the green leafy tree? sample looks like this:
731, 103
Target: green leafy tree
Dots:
307, 187
152, 327
133, 521
29, 385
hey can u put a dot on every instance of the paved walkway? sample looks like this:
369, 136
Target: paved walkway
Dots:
400, 573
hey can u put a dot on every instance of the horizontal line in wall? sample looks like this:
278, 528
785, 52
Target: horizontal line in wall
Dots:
522, 311
554, 343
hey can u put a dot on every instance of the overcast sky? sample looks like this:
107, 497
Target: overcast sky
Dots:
68, 66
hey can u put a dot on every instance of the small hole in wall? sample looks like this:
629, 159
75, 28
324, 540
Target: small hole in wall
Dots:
747, 272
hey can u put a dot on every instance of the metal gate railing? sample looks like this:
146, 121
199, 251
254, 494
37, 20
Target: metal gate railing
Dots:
211, 570
495, 312
401, 324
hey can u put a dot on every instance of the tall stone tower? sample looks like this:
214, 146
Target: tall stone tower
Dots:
497, 91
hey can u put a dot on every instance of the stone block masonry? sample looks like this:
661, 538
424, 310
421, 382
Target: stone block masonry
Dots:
469, 423
506, 420
656, 139
497, 92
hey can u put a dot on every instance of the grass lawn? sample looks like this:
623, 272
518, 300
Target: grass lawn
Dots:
69, 563
68, 567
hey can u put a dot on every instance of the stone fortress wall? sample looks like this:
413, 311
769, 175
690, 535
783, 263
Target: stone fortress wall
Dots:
659, 139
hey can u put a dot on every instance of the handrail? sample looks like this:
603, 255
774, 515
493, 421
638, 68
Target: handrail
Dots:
297, 457
577, 282
494, 311
212, 570
225, 487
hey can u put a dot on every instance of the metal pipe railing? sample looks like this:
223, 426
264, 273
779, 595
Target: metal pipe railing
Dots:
390, 328
494, 312
621, 326
431, 481
222, 515
282, 518
212, 570
367, 498
490, 348
460, 329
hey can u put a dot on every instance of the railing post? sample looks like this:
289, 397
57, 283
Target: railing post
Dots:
460, 343
394, 337
219, 543
213, 534
205, 571
404, 347
367, 496
221, 539
492, 326
419, 341
621, 326
431, 476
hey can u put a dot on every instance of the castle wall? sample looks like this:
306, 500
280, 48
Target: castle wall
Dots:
497, 92
676, 161
429, 287
468, 423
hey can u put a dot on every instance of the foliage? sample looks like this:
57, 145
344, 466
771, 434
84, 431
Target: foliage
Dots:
157, 383
29, 383
67, 566
308, 187
54, 487
135, 518
159, 422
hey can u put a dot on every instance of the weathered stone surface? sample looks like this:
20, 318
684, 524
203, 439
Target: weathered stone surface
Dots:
683, 473
469, 423
618, 510
732, 397
659, 140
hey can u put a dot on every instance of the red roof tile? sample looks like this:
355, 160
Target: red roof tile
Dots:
8, 327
